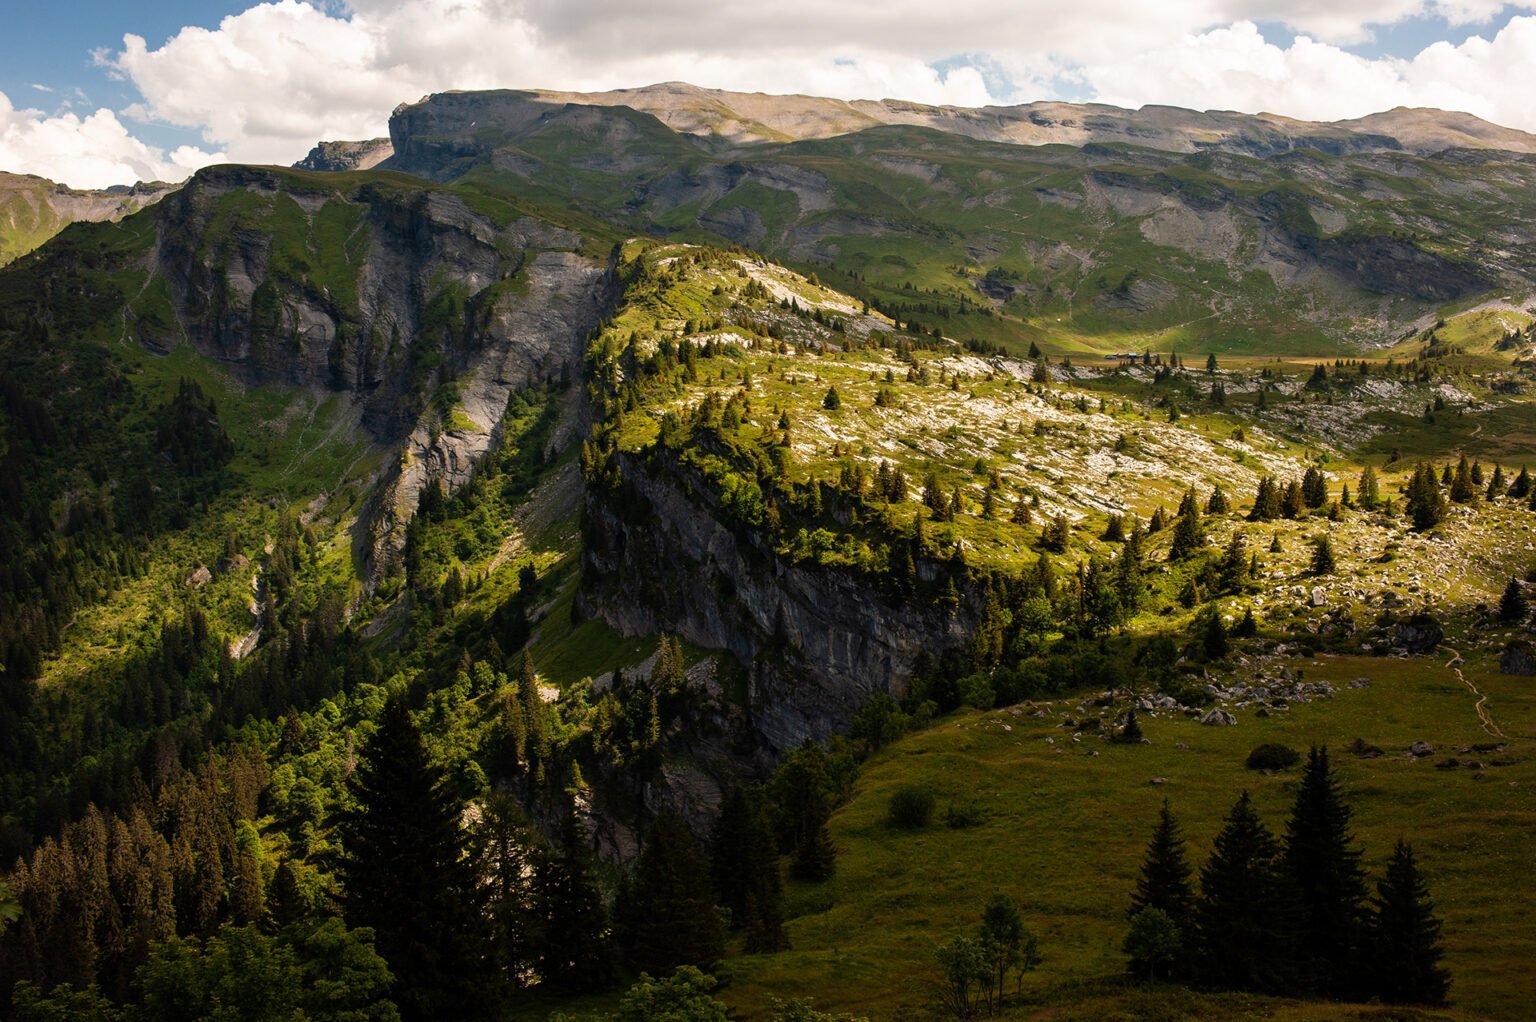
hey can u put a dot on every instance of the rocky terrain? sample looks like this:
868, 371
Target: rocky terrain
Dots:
33, 209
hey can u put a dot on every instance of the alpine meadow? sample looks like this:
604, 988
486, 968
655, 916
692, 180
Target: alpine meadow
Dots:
674, 555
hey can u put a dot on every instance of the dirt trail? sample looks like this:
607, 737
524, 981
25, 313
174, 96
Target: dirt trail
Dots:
1484, 716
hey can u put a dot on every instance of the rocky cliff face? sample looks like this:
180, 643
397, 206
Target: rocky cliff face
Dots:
426, 312
818, 642
339, 156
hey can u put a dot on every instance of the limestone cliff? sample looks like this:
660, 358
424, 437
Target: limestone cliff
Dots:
817, 641
427, 313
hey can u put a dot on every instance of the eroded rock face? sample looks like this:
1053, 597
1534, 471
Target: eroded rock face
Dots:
341, 156
427, 313
818, 642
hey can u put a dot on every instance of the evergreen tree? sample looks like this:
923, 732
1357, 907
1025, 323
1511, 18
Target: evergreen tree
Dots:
667, 913
1243, 933
1426, 504
1215, 639
1314, 488
1512, 605
1521, 487
1324, 868
572, 921
745, 867
1188, 534
1497, 485
407, 878
1218, 504
1405, 936
1463, 489
1322, 556
832, 401
1291, 502
1247, 628
1266, 502
1165, 873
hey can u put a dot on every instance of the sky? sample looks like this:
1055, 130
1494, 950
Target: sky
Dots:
101, 92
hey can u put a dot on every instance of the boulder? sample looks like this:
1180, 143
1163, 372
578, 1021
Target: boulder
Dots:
200, 577
1419, 634
1519, 657
1218, 718
1421, 749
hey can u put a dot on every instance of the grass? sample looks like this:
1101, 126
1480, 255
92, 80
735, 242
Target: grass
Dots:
1067, 824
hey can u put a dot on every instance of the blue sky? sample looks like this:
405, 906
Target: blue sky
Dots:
157, 89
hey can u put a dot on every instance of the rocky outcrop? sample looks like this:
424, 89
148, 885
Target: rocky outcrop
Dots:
340, 156
429, 314
817, 642
1519, 658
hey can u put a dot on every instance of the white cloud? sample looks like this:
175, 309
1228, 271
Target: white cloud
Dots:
1234, 68
267, 83
87, 152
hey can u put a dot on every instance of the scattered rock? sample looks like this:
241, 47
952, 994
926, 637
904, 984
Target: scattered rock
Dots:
1319, 597
1158, 781
1218, 718
199, 578
1360, 683
1448, 764
1419, 749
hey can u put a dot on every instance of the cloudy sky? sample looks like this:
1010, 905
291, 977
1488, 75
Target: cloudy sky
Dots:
99, 92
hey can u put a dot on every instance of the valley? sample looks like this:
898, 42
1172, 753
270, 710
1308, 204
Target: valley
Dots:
617, 458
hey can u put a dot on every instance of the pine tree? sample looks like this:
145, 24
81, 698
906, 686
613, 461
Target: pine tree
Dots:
1266, 502
1215, 640
1513, 606
1165, 872
1314, 488
573, 922
1188, 533
1291, 502
1405, 936
1426, 504
1497, 486
1247, 628
1324, 868
1218, 504
1463, 489
1521, 487
1322, 556
406, 875
668, 915
1243, 933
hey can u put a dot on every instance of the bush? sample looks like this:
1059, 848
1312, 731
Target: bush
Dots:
910, 808
960, 815
1273, 756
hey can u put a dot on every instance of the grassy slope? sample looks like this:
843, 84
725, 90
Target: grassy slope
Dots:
1067, 824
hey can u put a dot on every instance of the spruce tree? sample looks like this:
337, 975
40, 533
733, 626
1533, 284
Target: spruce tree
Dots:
1324, 867
1323, 562
1243, 933
1405, 936
1512, 605
406, 876
1188, 533
1369, 489
1426, 504
668, 915
1463, 489
1165, 873
573, 922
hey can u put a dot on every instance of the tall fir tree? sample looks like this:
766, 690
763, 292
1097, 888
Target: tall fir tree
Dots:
1324, 867
666, 913
1164, 882
406, 876
1244, 923
1405, 936
573, 922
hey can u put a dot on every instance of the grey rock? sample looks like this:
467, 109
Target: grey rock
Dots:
1218, 718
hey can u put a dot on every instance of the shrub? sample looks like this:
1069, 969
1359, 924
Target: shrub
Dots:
911, 808
960, 815
1273, 756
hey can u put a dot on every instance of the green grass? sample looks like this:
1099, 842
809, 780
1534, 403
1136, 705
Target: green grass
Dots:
1067, 824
